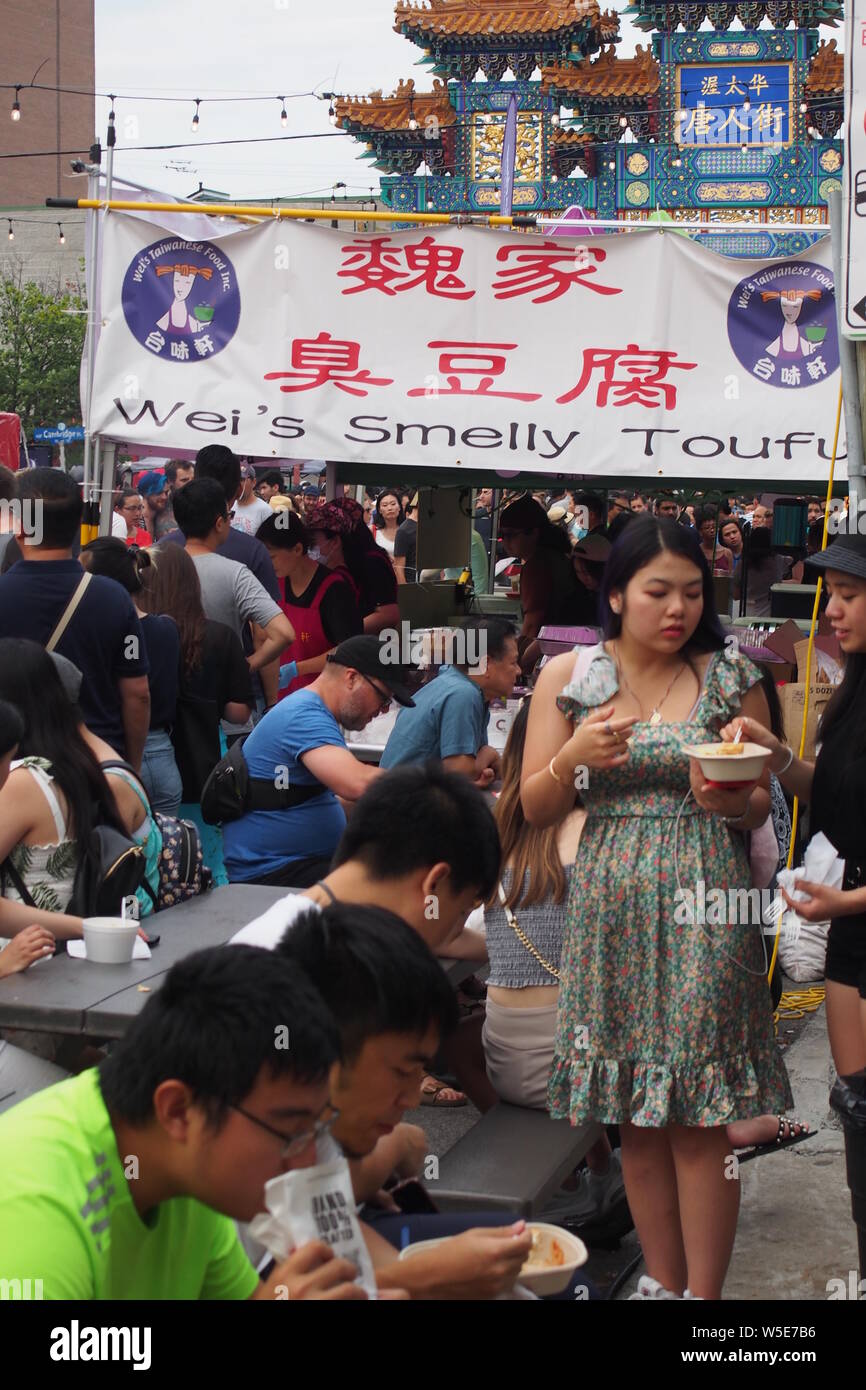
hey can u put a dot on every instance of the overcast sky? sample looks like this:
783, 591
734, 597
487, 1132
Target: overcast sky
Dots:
201, 48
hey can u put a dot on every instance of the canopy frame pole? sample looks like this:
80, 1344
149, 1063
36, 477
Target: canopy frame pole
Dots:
453, 219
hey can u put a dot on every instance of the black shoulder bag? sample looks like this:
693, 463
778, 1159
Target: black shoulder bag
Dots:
230, 792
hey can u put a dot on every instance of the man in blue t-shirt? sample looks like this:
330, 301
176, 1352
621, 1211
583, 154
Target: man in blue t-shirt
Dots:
103, 637
299, 745
449, 721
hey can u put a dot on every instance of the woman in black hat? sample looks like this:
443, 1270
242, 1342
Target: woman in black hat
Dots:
834, 785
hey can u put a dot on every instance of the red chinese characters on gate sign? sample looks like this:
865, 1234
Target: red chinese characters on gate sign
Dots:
483, 360
641, 382
548, 271
377, 265
324, 359
625, 376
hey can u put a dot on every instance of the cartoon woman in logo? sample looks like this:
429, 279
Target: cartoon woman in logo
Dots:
177, 319
791, 345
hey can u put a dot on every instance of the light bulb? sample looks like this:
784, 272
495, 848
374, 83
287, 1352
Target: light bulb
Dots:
803, 108
194, 122
555, 119
11, 234
61, 238
611, 164
15, 113
284, 117
747, 105
413, 124
744, 149
623, 120
554, 178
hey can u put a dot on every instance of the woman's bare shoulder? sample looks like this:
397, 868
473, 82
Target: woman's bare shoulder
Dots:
557, 671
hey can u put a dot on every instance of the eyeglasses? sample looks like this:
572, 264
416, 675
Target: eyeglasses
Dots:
385, 696
298, 1142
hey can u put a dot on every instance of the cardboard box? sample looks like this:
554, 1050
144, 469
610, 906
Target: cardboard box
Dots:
783, 640
792, 698
826, 667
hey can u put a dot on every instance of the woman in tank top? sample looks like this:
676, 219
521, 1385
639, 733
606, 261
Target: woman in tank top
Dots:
524, 921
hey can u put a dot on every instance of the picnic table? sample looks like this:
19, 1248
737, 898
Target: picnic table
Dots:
65, 995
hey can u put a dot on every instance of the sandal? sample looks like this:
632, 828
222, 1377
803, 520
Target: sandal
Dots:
782, 1140
432, 1090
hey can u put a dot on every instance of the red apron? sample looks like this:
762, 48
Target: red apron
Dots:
310, 639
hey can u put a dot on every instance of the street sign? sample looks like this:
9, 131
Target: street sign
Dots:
63, 434
853, 290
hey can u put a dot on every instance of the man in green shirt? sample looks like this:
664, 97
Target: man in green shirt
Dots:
122, 1183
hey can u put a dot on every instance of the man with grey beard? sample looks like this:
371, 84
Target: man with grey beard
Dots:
299, 750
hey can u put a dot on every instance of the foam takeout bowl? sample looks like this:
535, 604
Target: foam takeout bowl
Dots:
110, 940
541, 1279
727, 767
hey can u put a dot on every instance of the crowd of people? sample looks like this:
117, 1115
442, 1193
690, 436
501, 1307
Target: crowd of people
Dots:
227, 627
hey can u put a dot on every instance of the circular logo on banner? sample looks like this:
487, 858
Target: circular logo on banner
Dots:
782, 325
181, 299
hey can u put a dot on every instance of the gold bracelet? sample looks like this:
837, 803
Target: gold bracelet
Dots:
555, 775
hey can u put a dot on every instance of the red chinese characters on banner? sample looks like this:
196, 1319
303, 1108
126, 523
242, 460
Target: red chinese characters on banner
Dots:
548, 271
641, 382
484, 360
324, 359
377, 265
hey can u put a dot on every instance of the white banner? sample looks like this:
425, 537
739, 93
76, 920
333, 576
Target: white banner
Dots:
644, 356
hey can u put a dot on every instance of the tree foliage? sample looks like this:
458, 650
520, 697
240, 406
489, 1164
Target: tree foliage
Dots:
40, 352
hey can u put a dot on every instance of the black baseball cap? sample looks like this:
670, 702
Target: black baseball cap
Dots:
847, 553
368, 655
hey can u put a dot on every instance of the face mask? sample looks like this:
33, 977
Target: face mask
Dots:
580, 532
314, 553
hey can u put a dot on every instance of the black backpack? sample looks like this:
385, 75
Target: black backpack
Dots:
230, 792
181, 870
112, 871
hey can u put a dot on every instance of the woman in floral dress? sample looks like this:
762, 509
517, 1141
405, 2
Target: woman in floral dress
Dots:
664, 1023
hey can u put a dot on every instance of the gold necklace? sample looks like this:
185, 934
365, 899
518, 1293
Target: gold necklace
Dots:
655, 713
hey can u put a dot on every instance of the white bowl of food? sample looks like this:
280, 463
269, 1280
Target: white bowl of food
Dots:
554, 1257
110, 940
733, 763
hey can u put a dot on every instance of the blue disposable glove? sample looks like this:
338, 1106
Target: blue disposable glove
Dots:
287, 674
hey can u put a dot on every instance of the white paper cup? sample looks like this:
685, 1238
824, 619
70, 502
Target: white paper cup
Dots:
110, 940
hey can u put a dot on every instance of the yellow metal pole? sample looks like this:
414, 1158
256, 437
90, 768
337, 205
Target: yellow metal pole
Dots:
304, 214
802, 748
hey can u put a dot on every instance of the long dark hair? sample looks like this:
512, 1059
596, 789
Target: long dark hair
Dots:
645, 538
848, 705
29, 680
170, 584
358, 546
777, 723
11, 727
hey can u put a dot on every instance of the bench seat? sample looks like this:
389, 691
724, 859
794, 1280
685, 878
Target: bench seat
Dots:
514, 1158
